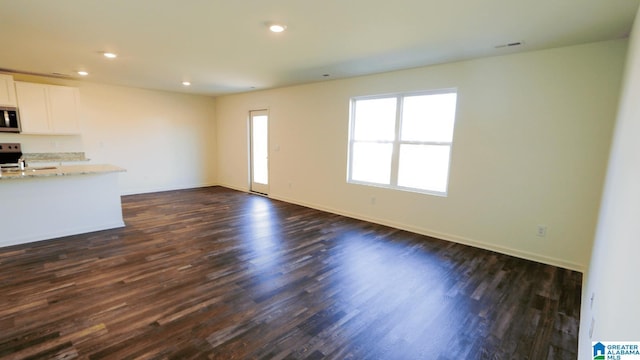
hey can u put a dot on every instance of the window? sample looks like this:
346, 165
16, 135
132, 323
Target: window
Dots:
402, 141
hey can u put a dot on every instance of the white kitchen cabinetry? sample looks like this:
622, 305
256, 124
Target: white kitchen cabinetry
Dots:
63, 201
7, 91
48, 109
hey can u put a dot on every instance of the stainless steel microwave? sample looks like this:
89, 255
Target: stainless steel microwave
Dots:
9, 120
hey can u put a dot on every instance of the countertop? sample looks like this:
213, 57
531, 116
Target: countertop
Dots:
66, 170
54, 157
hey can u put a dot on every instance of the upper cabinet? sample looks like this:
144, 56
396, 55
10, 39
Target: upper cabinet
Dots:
48, 109
7, 91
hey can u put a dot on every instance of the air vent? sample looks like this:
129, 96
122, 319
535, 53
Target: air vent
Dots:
57, 74
511, 44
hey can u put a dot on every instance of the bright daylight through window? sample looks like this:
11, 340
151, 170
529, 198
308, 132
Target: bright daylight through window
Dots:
402, 141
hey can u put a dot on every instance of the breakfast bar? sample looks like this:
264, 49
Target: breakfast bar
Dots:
40, 203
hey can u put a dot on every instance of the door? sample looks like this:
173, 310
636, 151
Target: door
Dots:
7, 91
259, 152
63, 101
33, 107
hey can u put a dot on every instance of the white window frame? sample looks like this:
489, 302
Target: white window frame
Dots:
397, 141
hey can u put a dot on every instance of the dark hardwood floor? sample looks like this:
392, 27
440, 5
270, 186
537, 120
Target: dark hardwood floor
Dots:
219, 274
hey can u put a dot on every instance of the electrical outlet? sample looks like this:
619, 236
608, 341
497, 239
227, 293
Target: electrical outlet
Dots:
541, 231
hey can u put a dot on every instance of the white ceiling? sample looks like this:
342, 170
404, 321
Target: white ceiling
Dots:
224, 46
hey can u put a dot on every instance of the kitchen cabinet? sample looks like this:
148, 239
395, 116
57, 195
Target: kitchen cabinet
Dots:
63, 201
48, 109
7, 91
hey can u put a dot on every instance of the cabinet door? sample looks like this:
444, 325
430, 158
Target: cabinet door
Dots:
32, 106
63, 103
7, 91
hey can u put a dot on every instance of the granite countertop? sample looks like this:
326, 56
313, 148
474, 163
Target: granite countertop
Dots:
67, 170
55, 157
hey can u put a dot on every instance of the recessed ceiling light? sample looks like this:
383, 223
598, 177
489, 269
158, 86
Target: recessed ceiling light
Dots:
277, 28
83, 73
110, 55
186, 83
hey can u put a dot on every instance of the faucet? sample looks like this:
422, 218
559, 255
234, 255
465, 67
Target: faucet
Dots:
21, 163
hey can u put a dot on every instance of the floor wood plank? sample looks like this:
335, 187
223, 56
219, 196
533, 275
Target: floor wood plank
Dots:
214, 273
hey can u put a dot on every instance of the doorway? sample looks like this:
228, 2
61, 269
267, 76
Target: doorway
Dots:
259, 150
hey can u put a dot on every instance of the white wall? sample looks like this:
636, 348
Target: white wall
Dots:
530, 147
165, 140
615, 264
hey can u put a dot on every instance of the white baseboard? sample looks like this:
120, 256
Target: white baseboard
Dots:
126, 192
443, 236
59, 234
422, 231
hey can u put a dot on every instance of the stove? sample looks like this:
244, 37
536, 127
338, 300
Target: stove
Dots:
10, 155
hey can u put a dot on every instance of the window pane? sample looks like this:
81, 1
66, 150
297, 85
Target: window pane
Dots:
424, 167
260, 149
375, 119
371, 162
428, 117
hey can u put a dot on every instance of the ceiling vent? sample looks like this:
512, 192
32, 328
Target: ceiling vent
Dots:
511, 44
57, 74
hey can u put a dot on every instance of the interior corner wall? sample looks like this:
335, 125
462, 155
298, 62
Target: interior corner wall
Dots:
611, 296
164, 140
531, 142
